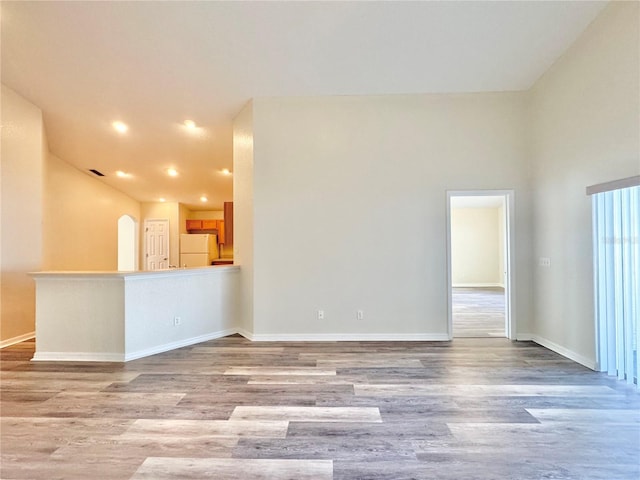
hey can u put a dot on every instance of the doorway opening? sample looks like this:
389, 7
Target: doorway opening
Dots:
127, 243
156, 244
479, 261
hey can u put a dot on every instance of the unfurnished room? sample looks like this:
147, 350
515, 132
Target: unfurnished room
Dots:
332, 240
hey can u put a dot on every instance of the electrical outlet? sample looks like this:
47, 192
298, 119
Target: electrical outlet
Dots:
320, 314
360, 315
544, 262
176, 321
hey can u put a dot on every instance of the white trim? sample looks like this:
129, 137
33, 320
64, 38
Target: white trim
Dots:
119, 357
20, 338
178, 344
346, 337
559, 349
478, 285
77, 357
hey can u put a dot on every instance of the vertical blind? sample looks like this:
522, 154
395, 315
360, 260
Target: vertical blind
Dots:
616, 222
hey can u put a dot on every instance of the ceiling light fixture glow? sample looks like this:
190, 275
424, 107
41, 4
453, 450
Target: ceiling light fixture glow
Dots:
122, 174
190, 124
162, 199
203, 198
120, 126
226, 171
172, 172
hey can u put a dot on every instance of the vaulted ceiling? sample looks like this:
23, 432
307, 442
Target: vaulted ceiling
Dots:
153, 65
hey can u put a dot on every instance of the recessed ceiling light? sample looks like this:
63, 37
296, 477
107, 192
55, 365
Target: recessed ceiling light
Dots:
203, 198
226, 171
162, 199
120, 173
172, 172
121, 127
190, 124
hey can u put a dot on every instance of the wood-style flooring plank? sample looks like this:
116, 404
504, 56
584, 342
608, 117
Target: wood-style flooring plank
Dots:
232, 469
307, 414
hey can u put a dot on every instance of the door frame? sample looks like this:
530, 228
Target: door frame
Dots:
509, 263
144, 241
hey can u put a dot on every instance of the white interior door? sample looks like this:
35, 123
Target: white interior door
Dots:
156, 242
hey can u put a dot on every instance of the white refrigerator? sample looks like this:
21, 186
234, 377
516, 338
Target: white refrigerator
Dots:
198, 249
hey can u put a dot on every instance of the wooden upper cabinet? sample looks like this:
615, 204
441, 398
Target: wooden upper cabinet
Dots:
194, 225
209, 224
228, 223
206, 226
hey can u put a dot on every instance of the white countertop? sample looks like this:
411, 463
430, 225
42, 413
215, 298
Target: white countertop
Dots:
137, 273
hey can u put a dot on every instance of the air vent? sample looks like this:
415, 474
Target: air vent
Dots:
96, 172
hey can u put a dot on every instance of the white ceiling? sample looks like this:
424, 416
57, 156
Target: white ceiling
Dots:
154, 64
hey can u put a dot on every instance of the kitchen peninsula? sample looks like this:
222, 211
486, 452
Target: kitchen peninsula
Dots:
121, 316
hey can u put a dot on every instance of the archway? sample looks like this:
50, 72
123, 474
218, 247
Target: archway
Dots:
127, 243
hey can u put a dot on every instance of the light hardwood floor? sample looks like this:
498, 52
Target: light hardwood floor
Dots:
232, 409
478, 312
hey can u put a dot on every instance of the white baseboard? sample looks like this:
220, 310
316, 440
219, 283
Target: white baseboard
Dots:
119, 357
346, 337
77, 357
565, 352
477, 285
20, 338
178, 344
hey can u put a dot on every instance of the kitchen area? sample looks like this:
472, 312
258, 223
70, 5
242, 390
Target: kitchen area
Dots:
208, 241
186, 292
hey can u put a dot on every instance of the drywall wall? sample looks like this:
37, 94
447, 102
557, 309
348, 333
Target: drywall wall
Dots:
584, 130
205, 300
80, 224
243, 214
349, 205
206, 214
476, 247
22, 163
183, 214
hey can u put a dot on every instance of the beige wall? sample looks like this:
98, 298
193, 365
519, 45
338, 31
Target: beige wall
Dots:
183, 214
340, 182
476, 247
22, 164
206, 214
81, 219
243, 218
584, 130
